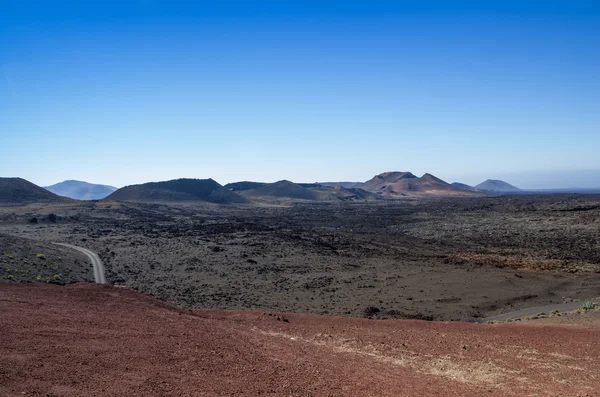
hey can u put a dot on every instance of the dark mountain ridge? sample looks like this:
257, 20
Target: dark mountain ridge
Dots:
178, 190
21, 191
281, 189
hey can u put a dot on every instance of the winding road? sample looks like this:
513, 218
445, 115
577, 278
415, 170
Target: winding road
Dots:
94, 258
532, 311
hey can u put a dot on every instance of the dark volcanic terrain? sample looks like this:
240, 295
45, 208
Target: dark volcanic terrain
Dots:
178, 190
18, 191
440, 259
25, 260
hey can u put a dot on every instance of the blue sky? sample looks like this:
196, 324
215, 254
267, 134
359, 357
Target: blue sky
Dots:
132, 91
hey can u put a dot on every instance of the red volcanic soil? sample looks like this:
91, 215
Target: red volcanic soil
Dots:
92, 340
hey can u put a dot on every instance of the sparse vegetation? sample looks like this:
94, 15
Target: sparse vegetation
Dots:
41, 256
588, 306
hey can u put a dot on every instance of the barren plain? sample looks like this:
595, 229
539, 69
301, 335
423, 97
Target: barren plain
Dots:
432, 259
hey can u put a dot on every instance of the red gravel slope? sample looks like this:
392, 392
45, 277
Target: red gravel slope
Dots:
97, 340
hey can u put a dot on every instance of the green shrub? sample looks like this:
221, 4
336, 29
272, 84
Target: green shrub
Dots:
40, 256
588, 306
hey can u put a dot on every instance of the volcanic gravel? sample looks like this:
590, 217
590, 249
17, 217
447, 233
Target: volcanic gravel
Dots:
93, 340
436, 259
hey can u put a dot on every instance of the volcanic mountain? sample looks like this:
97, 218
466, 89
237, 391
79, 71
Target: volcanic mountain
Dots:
463, 186
347, 185
398, 184
81, 190
245, 185
497, 186
286, 190
20, 191
281, 189
178, 190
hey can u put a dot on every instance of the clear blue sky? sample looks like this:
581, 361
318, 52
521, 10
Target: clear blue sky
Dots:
122, 92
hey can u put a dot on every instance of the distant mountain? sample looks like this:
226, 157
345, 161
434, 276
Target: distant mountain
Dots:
338, 192
81, 190
20, 191
463, 186
347, 185
497, 186
379, 183
400, 184
290, 191
245, 185
281, 189
178, 190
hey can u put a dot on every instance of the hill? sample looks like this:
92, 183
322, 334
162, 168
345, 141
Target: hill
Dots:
402, 184
178, 190
494, 185
338, 192
244, 185
81, 190
347, 185
281, 189
21, 191
286, 191
463, 186
380, 182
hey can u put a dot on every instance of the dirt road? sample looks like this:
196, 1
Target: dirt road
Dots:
97, 264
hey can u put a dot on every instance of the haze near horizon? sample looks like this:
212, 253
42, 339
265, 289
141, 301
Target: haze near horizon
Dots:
134, 91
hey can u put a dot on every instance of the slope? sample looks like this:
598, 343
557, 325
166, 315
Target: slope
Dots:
184, 190
495, 185
402, 184
21, 191
101, 340
281, 190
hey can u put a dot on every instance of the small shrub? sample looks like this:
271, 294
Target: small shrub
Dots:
10, 277
40, 256
370, 311
588, 306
